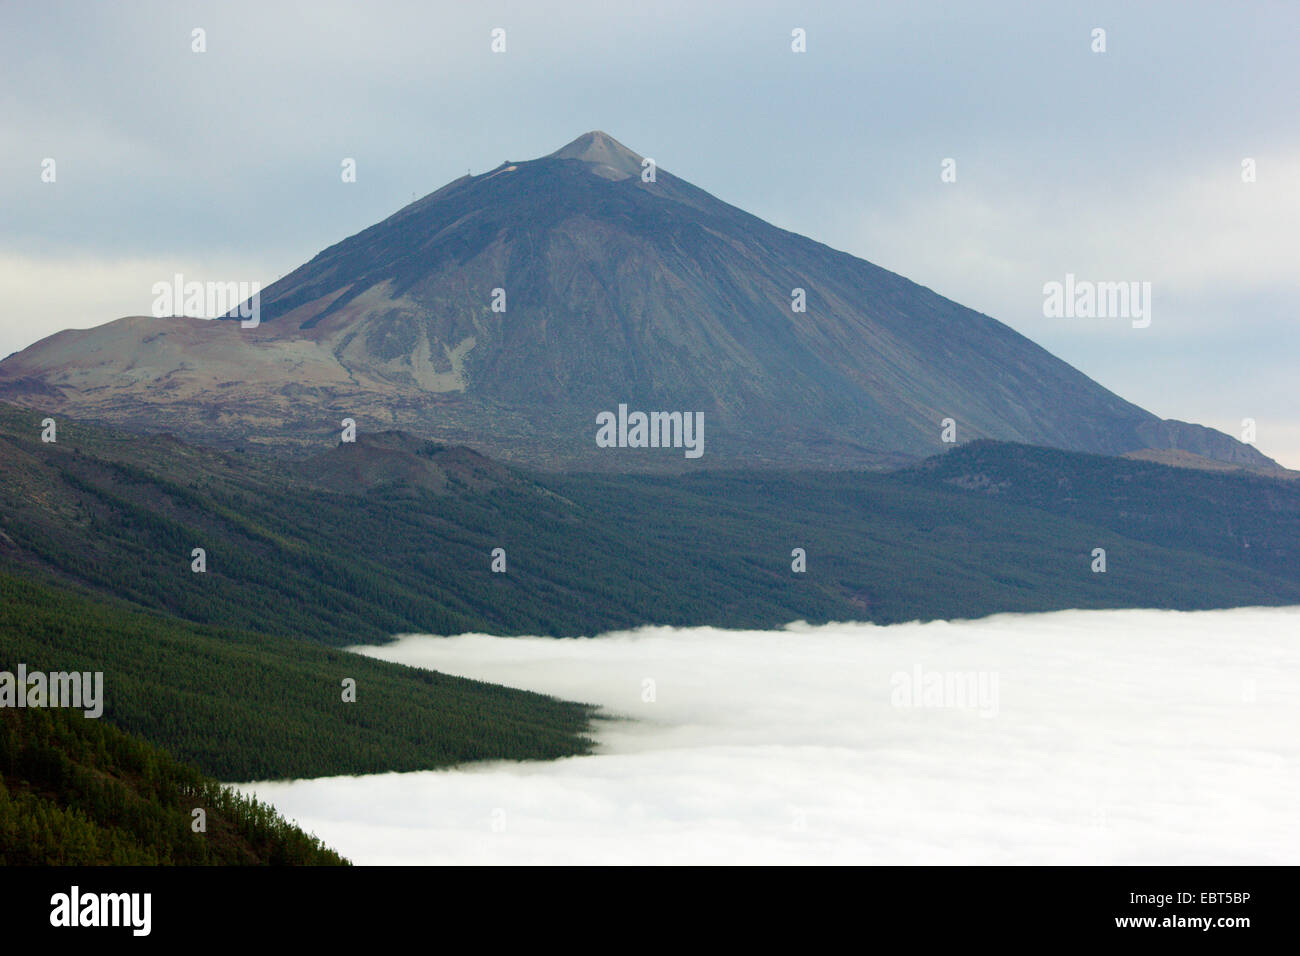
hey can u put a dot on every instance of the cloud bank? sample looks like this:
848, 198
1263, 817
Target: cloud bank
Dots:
1128, 737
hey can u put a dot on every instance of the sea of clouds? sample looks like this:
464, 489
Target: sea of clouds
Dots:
1131, 737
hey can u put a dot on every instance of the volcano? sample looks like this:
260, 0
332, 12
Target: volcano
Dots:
508, 310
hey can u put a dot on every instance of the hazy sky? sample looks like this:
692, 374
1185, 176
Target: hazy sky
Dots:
1122, 165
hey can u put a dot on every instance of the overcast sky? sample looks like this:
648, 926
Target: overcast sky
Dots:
1122, 165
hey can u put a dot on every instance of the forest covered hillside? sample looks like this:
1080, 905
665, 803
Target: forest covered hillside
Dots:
339, 554
79, 792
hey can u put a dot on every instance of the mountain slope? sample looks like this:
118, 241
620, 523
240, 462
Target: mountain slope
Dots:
1241, 517
306, 552
79, 792
616, 290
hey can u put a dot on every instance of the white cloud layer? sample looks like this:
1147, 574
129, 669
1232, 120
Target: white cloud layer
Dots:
1129, 737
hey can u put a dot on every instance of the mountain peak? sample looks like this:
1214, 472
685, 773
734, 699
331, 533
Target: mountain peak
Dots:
648, 297
610, 158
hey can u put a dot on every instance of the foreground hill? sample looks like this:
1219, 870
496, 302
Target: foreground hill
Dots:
242, 705
78, 792
506, 311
